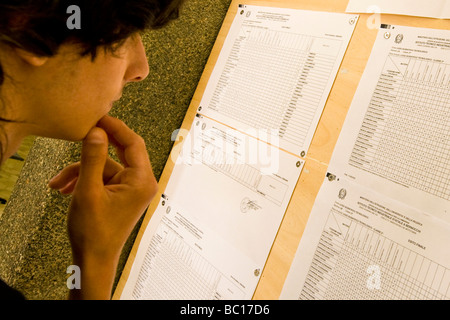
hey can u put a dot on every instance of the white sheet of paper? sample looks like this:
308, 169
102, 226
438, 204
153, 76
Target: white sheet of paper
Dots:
359, 244
239, 186
431, 9
275, 71
234, 189
396, 136
181, 258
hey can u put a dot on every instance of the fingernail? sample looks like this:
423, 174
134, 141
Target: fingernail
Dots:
54, 178
96, 136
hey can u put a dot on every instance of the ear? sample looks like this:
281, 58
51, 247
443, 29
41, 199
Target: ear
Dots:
31, 58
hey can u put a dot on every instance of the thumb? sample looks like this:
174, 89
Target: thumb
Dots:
94, 153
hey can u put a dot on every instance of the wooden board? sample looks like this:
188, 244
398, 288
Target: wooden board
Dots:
329, 127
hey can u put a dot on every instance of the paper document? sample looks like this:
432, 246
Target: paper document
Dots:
238, 165
380, 223
359, 244
396, 136
275, 71
238, 185
181, 258
229, 189
431, 9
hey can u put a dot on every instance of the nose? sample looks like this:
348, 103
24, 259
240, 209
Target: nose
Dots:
138, 65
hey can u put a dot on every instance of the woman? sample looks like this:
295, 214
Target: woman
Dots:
61, 82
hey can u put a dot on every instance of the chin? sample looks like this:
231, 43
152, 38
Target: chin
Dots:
79, 133
76, 129
74, 137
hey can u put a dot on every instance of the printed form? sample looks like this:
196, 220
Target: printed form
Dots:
275, 72
380, 225
227, 209
432, 9
360, 245
215, 224
396, 137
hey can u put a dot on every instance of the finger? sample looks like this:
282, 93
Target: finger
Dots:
68, 188
111, 169
94, 153
65, 176
65, 180
130, 146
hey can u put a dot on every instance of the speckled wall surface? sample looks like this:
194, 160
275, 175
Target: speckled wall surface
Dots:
34, 248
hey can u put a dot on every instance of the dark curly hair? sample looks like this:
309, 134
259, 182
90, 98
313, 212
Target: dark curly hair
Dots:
40, 26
